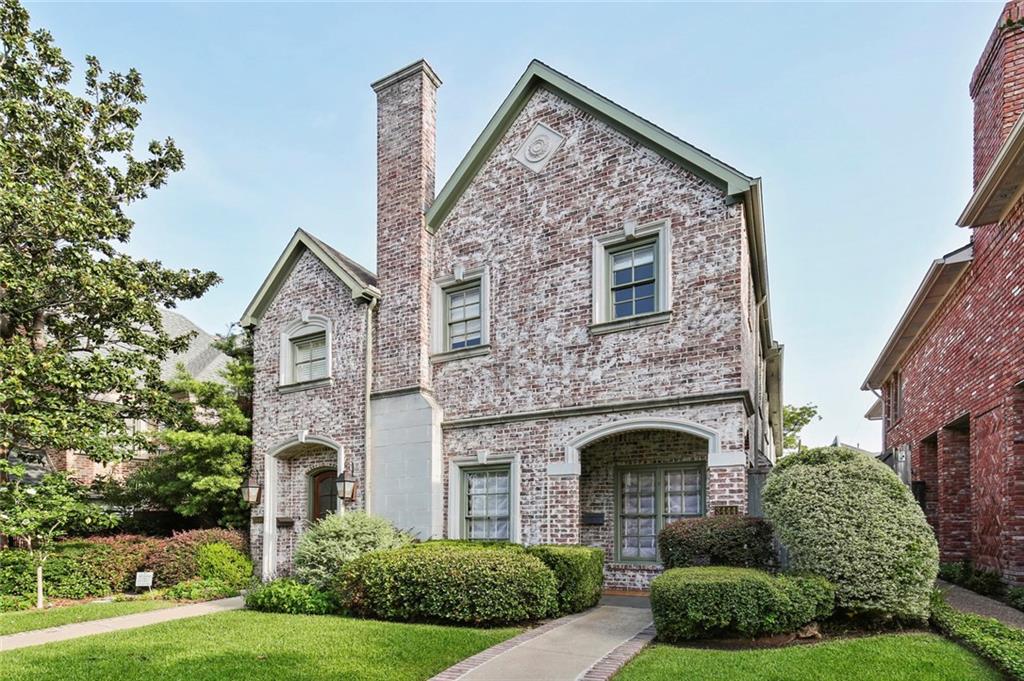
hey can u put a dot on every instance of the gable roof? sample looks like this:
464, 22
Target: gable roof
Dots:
937, 284
539, 75
202, 360
360, 281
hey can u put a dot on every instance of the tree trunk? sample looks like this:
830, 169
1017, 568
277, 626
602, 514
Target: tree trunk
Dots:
39, 587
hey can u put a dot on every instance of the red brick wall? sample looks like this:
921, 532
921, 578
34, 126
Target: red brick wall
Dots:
967, 361
997, 86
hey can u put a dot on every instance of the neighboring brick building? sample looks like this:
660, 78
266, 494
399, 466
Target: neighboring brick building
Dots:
202, 360
951, 377
571, 343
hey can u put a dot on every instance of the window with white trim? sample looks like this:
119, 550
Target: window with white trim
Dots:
487, 503
463, 317
633, 279
650, 498
309, 357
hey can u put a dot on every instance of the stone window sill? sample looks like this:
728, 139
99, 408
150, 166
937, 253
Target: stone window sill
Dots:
652, 319
305, 385
462, 353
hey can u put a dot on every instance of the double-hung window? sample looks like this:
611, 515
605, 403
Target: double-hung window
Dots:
487, 503
648, 499
634, 279
463, 317
309, 357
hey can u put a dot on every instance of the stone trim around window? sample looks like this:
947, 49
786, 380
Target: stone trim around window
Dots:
460, 278
308, 324
660, 232
455, 472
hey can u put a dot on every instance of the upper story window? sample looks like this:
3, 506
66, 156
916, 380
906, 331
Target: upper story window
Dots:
305, 359
463, 311
633, 280
460, 314
632, 277
309, 355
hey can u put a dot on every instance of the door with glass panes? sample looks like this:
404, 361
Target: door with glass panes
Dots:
647, 499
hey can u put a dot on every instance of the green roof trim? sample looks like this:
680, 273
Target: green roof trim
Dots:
360, 281
537, 75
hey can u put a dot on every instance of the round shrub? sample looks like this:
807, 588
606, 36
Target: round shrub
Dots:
120, 556
847, 517
176, 560
339, 538
740, 541
447, 584
704, 602
579, 574
17, 573
200, 590
290, 597
220, 561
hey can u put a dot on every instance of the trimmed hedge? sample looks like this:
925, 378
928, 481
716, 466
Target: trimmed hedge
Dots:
993, 640
447, 584
739, 541
339, 538
579, 574
176, 560
703, 602
847, 516
221, 562
290, 597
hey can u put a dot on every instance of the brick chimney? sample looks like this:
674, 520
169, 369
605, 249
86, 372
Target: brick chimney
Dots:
406, 112
997, 86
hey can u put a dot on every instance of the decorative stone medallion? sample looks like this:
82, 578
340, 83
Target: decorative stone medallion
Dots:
538, 148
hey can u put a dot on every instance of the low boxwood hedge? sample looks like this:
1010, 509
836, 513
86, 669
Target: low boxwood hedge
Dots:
579, 573
288, 596
707, 602
200, 590
739, 541
1000, 644
447, 584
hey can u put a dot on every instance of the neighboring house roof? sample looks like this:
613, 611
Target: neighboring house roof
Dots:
836, 442
202, 360
937, 284
1001, 186
361, 281
874, 413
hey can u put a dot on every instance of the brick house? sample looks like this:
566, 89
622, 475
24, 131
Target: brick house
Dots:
201, 359
951, 376
569, 344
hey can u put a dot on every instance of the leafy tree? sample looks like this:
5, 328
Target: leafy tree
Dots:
794, 420
204, 456
80, 333
39, 514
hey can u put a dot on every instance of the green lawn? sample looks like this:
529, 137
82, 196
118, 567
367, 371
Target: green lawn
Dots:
254, 646
893, 657
29, 620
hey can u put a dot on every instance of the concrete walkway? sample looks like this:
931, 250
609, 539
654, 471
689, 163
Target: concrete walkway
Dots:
968, 601
142, 619
563, 650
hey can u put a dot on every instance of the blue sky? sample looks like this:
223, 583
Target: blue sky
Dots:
857, 117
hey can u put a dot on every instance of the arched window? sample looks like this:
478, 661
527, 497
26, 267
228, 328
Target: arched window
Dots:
324, 493
306, 352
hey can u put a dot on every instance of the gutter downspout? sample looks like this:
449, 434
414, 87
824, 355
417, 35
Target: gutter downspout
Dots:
368, 436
